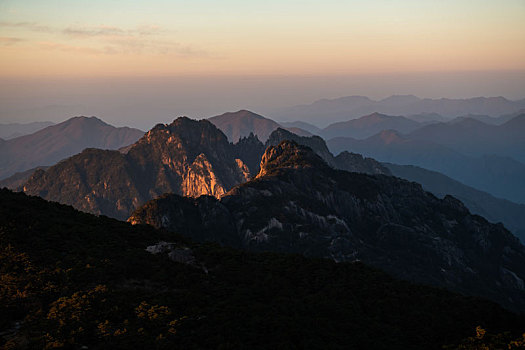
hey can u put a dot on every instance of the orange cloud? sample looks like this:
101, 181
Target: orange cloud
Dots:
8, 41
48, 45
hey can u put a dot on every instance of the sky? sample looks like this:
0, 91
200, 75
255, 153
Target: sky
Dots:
231, 53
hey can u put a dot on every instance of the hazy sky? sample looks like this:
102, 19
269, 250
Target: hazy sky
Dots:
86, 45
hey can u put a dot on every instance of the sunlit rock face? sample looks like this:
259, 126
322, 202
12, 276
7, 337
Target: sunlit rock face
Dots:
299, 204
187, 157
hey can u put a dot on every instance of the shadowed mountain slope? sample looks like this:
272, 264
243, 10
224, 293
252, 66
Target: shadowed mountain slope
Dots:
511, 214
299, 204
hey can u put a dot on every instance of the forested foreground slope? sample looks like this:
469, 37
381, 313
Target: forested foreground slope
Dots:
71, 279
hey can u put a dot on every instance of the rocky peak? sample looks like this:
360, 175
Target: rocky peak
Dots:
250, 150
250, 139
316, 143
193, 135
186, 157
289, 154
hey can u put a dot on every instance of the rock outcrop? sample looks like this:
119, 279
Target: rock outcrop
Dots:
187, 157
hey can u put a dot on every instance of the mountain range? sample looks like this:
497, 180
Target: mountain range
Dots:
478, 202
187, 157
343, 215
299, 204
494, 174
54, 143
326, 111
101, 190
500, 176
468, 135
475, 138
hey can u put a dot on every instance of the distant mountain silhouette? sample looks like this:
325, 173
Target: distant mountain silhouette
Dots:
500, 176
12, 130
369, 125
241, 123
487, 119
324, 112
427, 118
314, 130
475, 138
56, 142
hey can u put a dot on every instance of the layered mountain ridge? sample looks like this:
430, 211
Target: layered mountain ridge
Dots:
328, 111
498, 175
186, 157
369, 125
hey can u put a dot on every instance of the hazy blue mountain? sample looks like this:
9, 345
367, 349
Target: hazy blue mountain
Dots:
314, 130
12, 130
500, 176
369, 125
427, 118
326, 111
475, 138
56, 142
487, 119
494, 209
